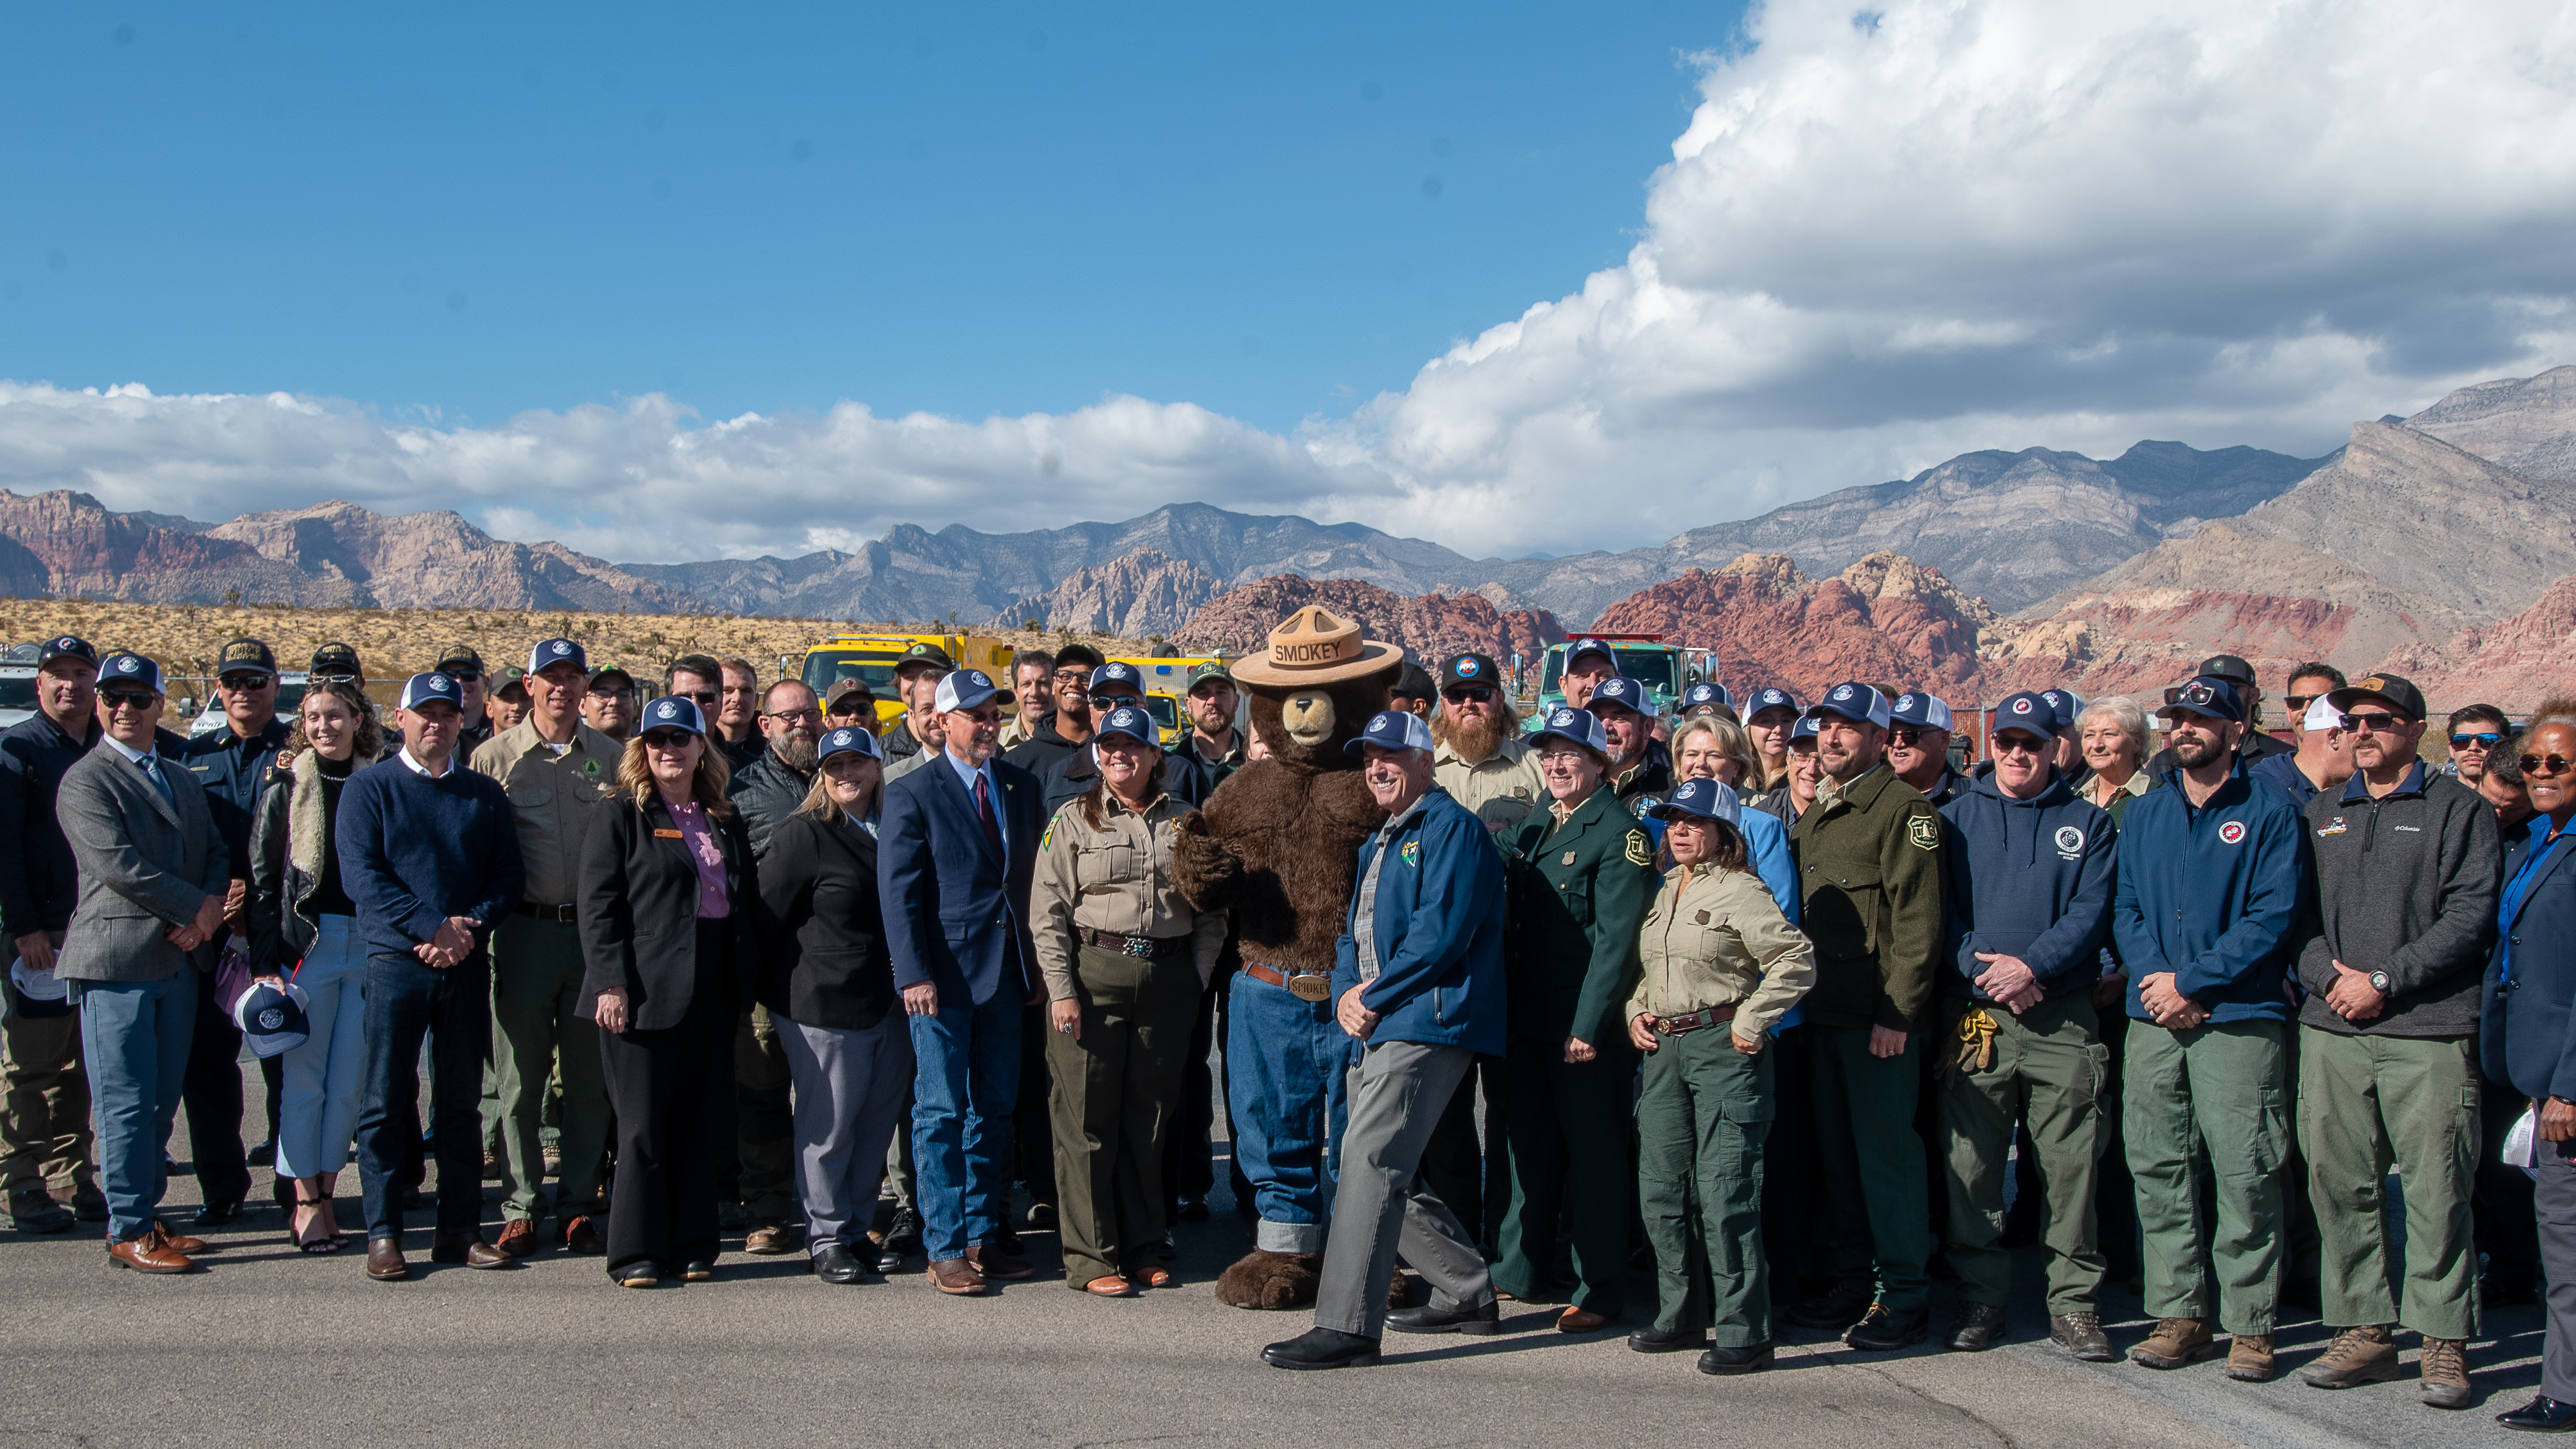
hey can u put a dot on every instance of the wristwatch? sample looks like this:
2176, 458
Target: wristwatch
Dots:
2379, 982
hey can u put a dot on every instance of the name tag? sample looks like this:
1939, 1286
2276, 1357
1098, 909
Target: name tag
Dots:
667, 835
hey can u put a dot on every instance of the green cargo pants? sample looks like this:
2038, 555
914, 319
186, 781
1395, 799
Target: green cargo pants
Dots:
2210, 1100
2367, 1103
1568, 1147
1873, 1163
536, 1029
1702, 1117
2049, 1062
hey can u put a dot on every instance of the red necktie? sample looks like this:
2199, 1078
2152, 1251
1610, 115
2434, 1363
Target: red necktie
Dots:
984, 812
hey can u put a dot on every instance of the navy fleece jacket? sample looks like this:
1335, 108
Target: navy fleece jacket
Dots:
414, 851
2214, 895
2029, 878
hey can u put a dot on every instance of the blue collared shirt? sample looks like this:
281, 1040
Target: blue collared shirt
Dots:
2535, 859
967, 775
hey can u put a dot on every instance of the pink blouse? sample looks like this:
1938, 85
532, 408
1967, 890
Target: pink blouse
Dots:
708, 852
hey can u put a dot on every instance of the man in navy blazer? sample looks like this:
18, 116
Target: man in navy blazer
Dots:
956, 850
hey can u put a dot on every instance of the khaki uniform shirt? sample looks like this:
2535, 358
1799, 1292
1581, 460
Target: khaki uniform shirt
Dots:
553, 798
1716, 938
1500, 789
1117, 878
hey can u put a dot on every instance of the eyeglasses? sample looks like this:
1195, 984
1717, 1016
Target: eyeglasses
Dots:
2531, 764
2375, 722
808, 712
1468, 693
242, 683
1074, 678
2019, 744
1907, 734
2482, 740
127, 699
668, 739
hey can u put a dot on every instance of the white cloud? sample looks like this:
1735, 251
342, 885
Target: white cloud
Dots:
1885, 237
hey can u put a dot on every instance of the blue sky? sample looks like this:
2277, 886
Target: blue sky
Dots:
1272, 211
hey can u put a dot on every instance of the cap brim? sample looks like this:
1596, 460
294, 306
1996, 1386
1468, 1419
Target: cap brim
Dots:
2344, 699
1374, 658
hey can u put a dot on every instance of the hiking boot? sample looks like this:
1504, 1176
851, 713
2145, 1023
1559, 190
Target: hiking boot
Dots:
2081, 1335
2362, 1355
2445, 1369
1977, 1328
2249, 1357
2175, 1342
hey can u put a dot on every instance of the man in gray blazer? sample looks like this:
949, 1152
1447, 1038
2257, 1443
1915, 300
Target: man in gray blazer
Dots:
153, 872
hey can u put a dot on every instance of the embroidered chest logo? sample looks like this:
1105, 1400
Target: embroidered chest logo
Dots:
1411, 854
2335, 826
2233, 832
2070, 841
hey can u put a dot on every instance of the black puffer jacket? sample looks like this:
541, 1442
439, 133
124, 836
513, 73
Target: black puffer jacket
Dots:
766, 791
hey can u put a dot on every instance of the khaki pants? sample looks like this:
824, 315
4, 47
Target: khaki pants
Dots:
536, 1030
2210, 1100
44, 1126
2049, 1063
2367, 1103
1116, 1088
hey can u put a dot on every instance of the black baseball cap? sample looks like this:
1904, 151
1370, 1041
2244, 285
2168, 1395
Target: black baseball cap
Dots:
459, 659
1414, 683
930, 654
1470, 669
2227, 667
66, 646
246, 656
509, 679
1071, 656
2399, 694
605, 670
337, 658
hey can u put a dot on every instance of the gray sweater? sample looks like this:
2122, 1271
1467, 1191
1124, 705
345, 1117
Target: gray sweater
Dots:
2405, 884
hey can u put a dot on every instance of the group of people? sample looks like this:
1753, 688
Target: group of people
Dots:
1785, 993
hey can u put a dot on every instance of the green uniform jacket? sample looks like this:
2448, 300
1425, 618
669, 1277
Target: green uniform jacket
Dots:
1869, 874
1578, 895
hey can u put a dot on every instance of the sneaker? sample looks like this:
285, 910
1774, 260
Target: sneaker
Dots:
2249, 1358
2175, 1342
2445, 1370
2363, 1355
2081, 1335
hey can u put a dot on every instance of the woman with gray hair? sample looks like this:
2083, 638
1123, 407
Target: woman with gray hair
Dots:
2112, 733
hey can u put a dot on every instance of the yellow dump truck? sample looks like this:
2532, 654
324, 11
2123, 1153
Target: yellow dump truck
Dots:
872, 658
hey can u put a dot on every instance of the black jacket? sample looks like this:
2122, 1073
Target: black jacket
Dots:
39, 880
823, 926
2404, 883
1044, 749
739, 756
638, 910
766, 792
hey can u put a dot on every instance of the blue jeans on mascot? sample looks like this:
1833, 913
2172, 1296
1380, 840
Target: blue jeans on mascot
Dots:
1284, 1064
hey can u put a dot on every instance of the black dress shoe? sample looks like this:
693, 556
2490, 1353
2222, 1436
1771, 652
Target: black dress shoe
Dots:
698, 1270
1978, 1327
1462, 1319
1836, 1308
1192, 1208
837, 1264
903, 1235
263, 1154
636, 1275
1735, 1360
216, 1214
1655, 1340
2543, 1415
1884, 1331
1321, 1348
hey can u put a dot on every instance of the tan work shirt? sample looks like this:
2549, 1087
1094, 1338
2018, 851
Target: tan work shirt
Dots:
1117, 878
1500, 788
1716, 938
552, 797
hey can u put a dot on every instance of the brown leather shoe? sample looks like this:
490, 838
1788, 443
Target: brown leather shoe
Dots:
770, 1239
179, 1242
472, 1252
1580, 1320
581, 1235
2249, 1357
1110, 1286
385, 1260
1159, 1278
148, 1253
994, 1263
958, 1277
518, 1238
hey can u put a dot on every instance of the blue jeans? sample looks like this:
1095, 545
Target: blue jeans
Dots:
406, 1001
135, 1037
966, 1071
1284, 1066
325, 1079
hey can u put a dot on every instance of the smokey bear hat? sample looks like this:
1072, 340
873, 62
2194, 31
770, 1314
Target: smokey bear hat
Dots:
1315, 647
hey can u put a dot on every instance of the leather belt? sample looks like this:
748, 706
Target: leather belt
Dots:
1144, 948
1691, 1021
559, 914
1304, 985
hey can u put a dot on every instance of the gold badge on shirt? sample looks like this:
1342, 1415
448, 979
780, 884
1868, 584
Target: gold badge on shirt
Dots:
1569, 859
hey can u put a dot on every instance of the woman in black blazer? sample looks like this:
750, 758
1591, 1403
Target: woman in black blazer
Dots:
668, 912
847, 1044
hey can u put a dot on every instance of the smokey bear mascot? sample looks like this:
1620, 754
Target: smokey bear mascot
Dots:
1276, 845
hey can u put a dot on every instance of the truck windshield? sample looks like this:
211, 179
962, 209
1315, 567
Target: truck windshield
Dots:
1165, 710
1658, 666
826, 667
18, 691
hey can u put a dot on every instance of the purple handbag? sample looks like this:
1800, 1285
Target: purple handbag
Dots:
232, 978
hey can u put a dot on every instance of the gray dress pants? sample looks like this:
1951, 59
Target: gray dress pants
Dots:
1398, 1090
851, 1090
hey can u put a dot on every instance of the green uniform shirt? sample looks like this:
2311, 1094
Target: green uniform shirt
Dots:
1578, 894
1869, 875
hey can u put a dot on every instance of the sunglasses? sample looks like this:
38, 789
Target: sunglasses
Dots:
2298, 703
335, 679
2019, 745
127, 699
465, 676
2544, 764
667, 739
242, 683
2375, 722
703, 696
1907, 734
2482, 740
1465, 693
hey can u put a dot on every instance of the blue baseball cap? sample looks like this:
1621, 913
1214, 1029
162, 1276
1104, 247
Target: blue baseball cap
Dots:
2208, 696
2067, 704
1923, 711
1769, 696
1574, 726
1804, 729
66, 646
1391, 729
129, 670
1706, 799
558, 651
272, 1019
846, 742
672, 712
963, 689
422, 688
1581, 647
2028, 710
1629, 694
1854, 701
1132, 722
1708, 694
1127, 674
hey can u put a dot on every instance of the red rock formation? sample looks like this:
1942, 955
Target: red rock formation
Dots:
2514, 663
1430, 626
1886, 618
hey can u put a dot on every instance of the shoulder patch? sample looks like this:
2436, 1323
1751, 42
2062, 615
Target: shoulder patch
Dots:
1924, 834
1639, 852
1047, 837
